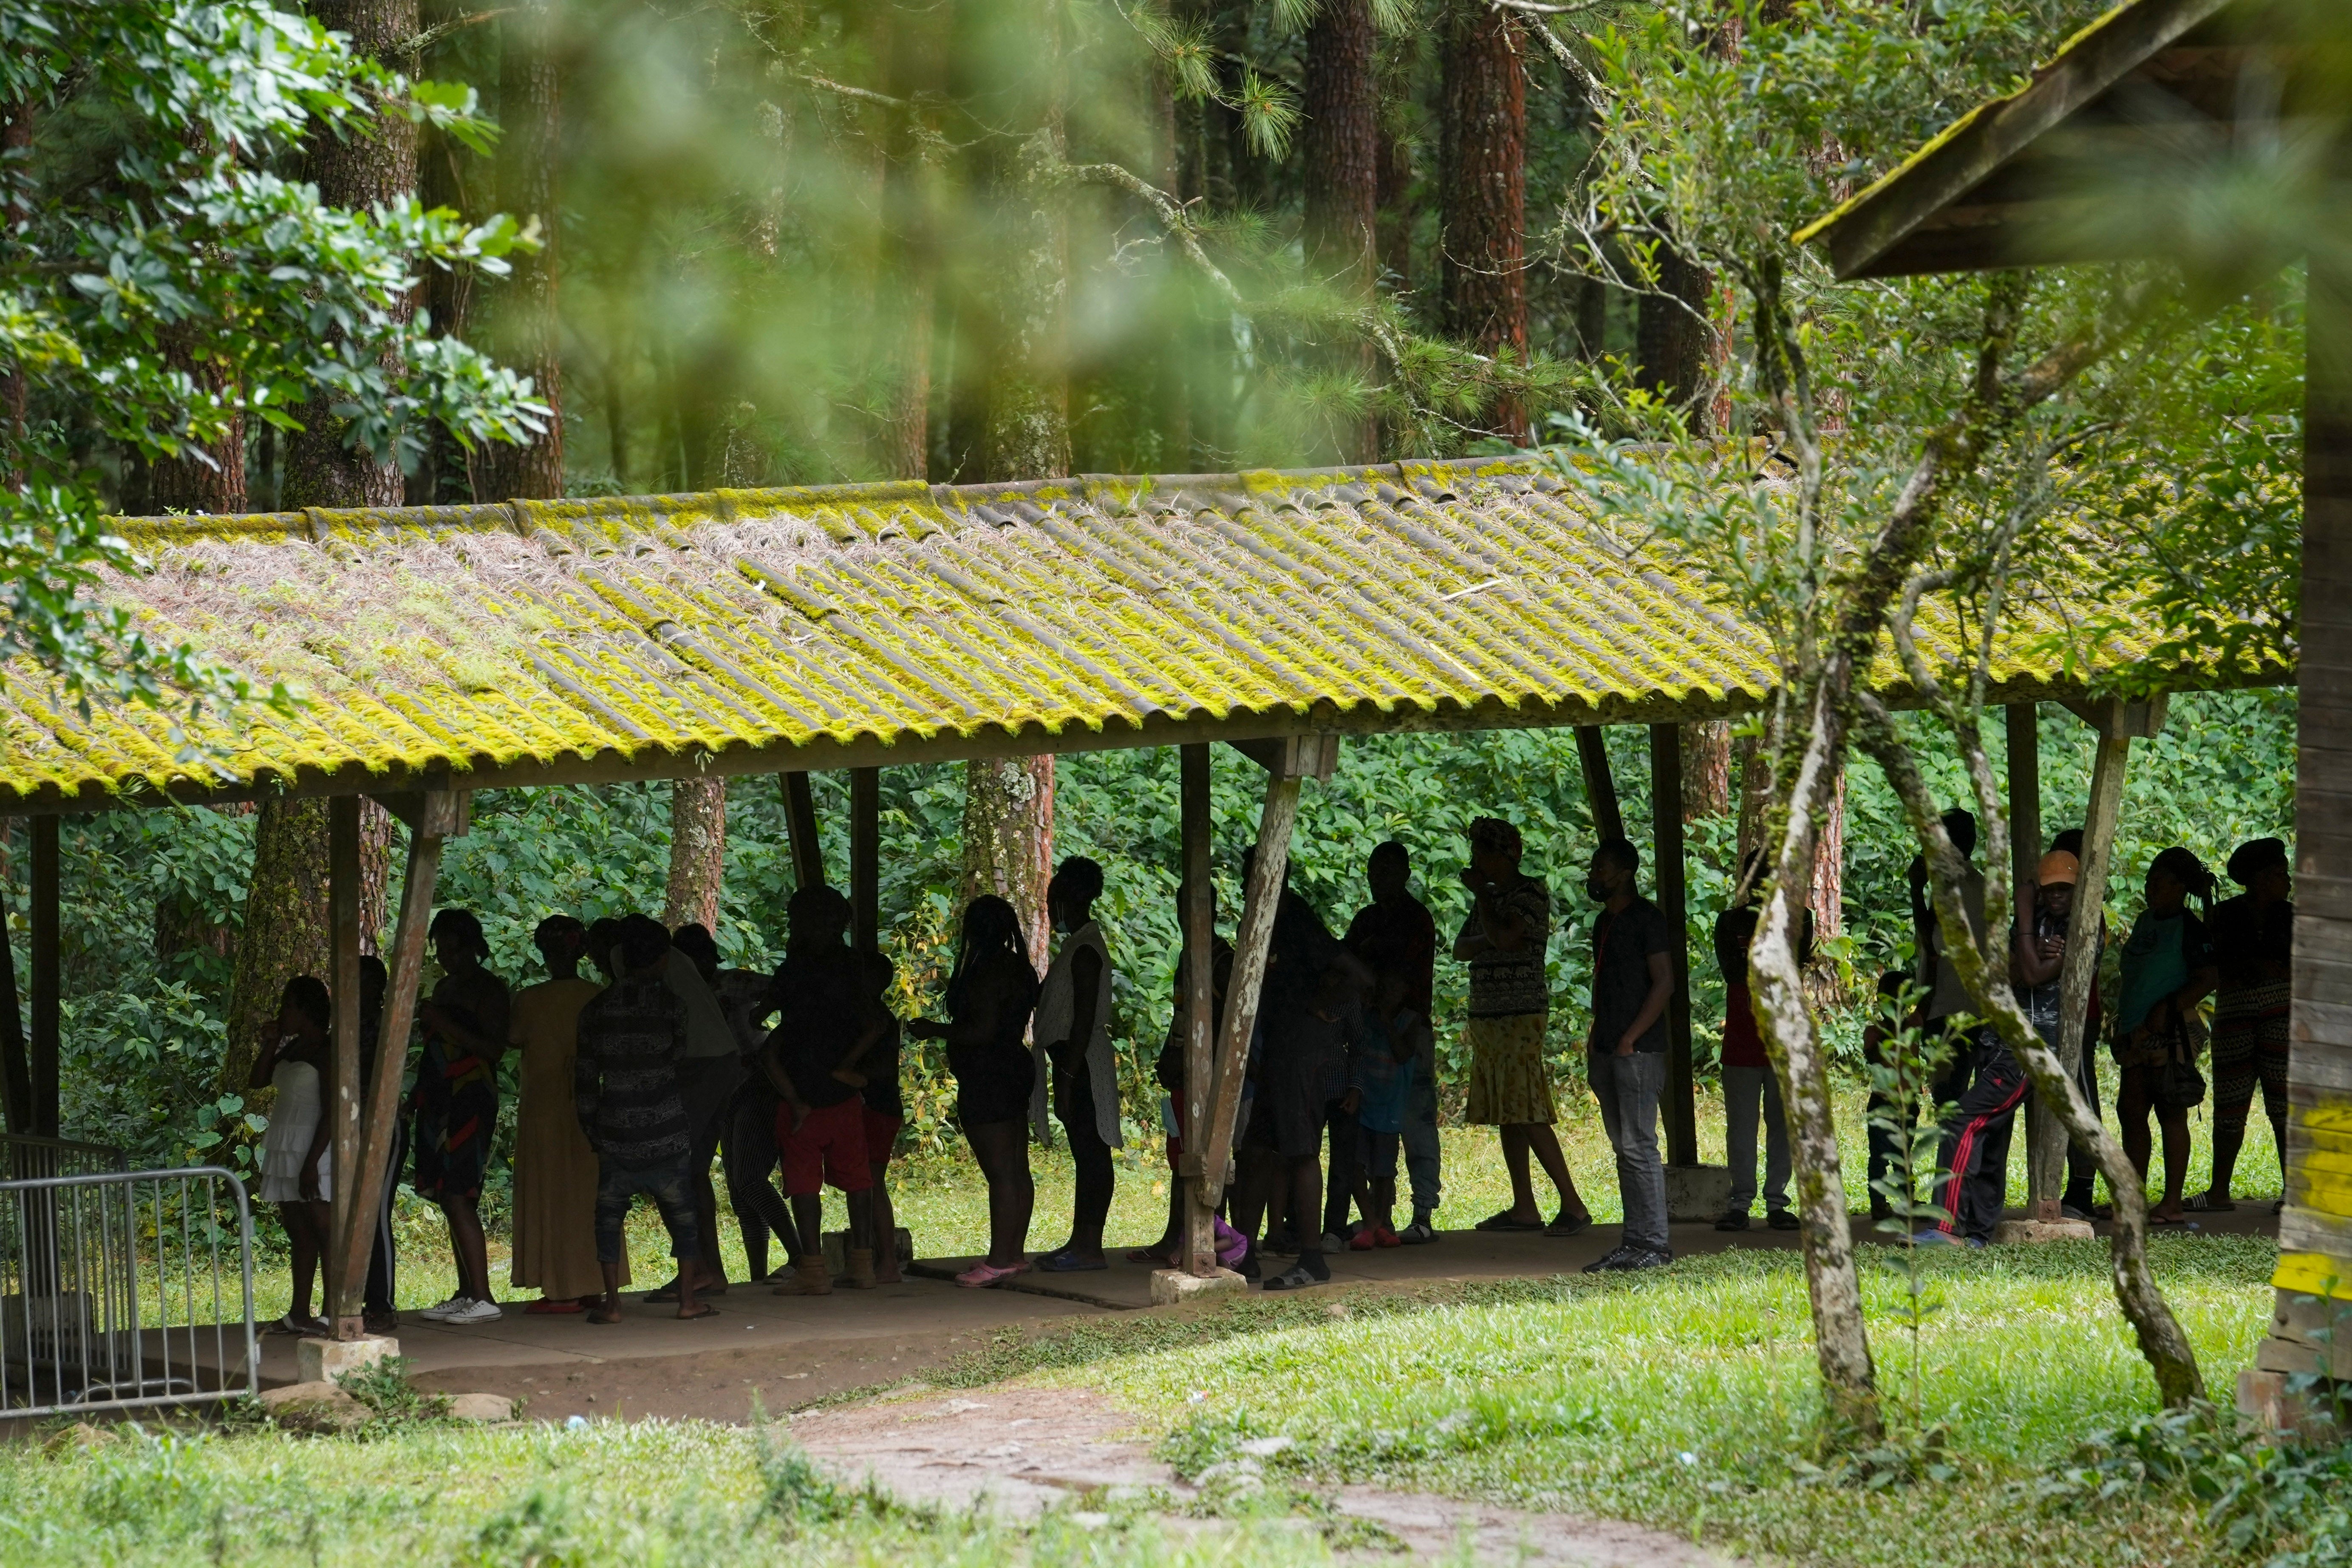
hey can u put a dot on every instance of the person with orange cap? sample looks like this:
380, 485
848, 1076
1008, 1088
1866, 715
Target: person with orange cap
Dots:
2038, 957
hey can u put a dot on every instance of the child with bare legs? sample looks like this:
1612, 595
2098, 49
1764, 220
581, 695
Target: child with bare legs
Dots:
990, 997
294, 1166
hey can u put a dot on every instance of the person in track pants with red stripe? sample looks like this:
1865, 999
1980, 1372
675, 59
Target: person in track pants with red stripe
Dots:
1972, 1168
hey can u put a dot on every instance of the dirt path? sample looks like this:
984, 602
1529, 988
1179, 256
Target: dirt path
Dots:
1021, 1451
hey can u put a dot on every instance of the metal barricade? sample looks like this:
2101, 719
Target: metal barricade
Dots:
25, 1159
125, 1289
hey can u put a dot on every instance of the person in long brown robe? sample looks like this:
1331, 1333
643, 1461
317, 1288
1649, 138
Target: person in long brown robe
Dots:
554, 1169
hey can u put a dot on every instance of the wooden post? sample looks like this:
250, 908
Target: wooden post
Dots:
46, 957
2315, 1231
864, 857
1600, 789
15, 1066
1256, 935
2046, 1147
2023, 722
439, 814
800, 825
1681, 1103
1200, 1243
345, 1292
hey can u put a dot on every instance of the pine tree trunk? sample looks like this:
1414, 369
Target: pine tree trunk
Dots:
211, 482
1394, 197
286, 931
697, 852
1008, 837
1677, 340
1706, 769
1008, 820
905, 295
445, 293
524, 336
358, 169
1340, 168
1482, 282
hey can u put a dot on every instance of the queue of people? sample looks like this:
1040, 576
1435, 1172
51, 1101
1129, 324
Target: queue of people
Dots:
633, 1082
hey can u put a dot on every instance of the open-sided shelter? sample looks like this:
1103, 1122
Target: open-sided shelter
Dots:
446, 649
2048, 174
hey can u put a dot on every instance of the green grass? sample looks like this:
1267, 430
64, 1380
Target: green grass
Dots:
1688, 1399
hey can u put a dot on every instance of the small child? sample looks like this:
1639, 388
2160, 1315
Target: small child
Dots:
1385, 1069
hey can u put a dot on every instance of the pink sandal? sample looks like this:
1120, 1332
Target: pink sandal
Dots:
984, 1274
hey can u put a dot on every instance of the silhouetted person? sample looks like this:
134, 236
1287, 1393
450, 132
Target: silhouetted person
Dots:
1396, 935
457, 1101
1074, 1028
2253, 949
297, 1172
1626, 1055
2168, 970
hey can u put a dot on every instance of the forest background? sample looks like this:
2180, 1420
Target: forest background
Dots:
980, 239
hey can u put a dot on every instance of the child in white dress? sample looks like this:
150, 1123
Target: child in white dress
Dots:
295, 1174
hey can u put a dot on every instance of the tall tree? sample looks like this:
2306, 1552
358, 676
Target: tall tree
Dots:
1677, 343
697, 852
906, 292
1483, 133
1340, 168
286, 931
1008, 825
1706, 769
531, 124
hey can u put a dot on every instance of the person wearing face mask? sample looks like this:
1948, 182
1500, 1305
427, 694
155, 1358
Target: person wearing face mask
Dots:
1626, 1055
2253, 948
1502, 942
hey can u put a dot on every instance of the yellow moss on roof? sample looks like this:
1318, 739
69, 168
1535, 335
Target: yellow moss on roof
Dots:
467, 638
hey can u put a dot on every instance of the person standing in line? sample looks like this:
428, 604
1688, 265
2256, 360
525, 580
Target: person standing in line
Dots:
2038, 962
991, 994
1395, 1038
1749, 1082
2253, 949
1504, 941
1397, 936
747, 1139
708, 1076
884, 1099
1313, 1022
2168, 970
554, 1168
828, 1021
1169, 1072
1625, 1055
296, 1172
1073, 1026
625, 1094
1948, 997
456, 1101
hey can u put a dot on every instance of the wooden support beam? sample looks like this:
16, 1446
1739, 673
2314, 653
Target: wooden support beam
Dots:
47, 957
2023, 722
2315, 1232
1200, 1239
1263, 898
15, 1065
1600, 789
440, 817
1311, 756
344, 1089
865, 859
800, 825
2047, 1153
1680, 1105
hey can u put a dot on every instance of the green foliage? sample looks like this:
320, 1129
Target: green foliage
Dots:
384, 1387
162, 281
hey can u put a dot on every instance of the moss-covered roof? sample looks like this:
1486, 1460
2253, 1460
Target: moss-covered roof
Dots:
846, 626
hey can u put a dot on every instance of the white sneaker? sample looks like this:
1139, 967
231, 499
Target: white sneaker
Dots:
441, 1313
475, 1312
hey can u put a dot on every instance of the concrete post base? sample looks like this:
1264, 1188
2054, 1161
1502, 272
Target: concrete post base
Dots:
2026, 1230
1697, 1192
1170, 1286
323, 1360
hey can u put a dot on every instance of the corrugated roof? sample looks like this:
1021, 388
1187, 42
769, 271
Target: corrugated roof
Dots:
749, 630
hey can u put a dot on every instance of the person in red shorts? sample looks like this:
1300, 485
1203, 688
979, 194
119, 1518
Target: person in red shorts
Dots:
874, 1070
831, 1019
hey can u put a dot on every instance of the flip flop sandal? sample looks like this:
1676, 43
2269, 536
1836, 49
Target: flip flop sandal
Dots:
1293, 1279
983, 1275
1569, 1224
1068, 1263
1504, 1222
2205, 1203
708, 1311
551, 1307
